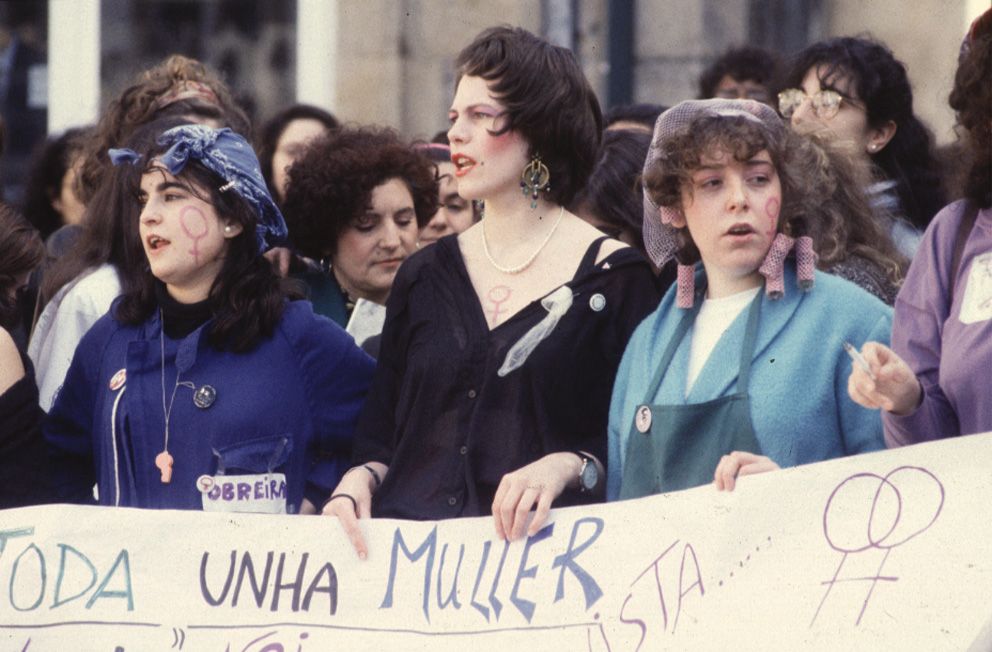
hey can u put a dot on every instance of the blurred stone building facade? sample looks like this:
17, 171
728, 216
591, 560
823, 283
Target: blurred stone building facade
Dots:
391, 61
395, 56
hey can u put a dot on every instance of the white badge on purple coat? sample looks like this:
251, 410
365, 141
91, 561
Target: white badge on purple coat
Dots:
977, 303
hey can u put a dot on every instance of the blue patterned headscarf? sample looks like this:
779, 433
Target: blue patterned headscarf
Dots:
229, 156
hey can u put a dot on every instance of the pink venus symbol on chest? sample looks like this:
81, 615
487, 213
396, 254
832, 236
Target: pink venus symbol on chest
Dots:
497, 296
196, 227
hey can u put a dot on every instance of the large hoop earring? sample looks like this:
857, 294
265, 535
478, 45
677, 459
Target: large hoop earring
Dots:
535, 178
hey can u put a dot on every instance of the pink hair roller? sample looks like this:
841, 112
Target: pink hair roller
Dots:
773, 268
685, 288
805, 262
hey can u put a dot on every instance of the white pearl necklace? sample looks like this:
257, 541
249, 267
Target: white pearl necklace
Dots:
527, 263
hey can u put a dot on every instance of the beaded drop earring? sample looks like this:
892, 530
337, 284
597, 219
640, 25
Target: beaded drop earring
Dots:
535, 178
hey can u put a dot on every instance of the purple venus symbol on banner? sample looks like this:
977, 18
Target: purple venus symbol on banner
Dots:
868, 515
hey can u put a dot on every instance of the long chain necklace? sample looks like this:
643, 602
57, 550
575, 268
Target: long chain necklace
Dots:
527, 263
164, 460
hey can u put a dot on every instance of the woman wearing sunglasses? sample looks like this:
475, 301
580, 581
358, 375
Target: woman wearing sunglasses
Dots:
856, 92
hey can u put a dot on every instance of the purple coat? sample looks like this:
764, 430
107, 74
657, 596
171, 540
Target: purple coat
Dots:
948, 347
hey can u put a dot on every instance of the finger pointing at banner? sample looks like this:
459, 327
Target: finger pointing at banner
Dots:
352, 500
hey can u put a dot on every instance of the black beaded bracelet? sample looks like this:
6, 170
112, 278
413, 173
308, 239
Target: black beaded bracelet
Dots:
375, 474
354, 503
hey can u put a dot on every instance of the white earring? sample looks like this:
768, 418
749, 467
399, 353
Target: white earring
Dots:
228, 229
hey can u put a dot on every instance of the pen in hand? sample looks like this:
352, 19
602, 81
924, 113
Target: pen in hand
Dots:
859, 359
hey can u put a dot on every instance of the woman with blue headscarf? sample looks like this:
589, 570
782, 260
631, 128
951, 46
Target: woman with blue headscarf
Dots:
204, 388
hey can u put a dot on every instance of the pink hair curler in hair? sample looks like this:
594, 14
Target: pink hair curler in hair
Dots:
805, 262
773, 268
685, 286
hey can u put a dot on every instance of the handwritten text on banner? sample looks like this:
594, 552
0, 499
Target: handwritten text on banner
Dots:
881, 551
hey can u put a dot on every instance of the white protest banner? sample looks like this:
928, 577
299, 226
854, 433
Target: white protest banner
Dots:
887, 551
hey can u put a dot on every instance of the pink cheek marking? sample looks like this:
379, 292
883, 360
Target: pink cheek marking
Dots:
196, 227
772, 207
496, 144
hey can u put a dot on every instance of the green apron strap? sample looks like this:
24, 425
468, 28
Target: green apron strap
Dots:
673, 344
747, 348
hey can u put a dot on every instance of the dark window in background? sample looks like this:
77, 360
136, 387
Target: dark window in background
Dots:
23, 89
251, 42
784, 26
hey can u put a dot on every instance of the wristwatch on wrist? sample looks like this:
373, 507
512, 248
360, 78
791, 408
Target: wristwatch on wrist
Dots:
588, 474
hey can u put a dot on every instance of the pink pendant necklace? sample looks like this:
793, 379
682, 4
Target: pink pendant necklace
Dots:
164, 460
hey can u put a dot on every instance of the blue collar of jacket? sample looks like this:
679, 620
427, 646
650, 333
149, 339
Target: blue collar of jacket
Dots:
188, 346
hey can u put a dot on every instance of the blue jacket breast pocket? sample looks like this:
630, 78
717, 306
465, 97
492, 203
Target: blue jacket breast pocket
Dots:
260, 455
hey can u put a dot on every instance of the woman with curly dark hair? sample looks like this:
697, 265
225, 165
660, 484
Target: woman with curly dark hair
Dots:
744, 73
284, 138
501, 342
857, 92
204, 388
707, 387
823, 184
23, 470
930, 384
354, 203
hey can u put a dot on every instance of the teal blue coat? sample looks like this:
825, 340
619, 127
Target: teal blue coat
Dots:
800, 409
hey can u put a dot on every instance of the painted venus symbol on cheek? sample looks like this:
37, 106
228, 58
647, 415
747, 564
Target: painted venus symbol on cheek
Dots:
772, 207
196, 227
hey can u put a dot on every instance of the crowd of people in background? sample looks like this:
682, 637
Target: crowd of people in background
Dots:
542, 306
